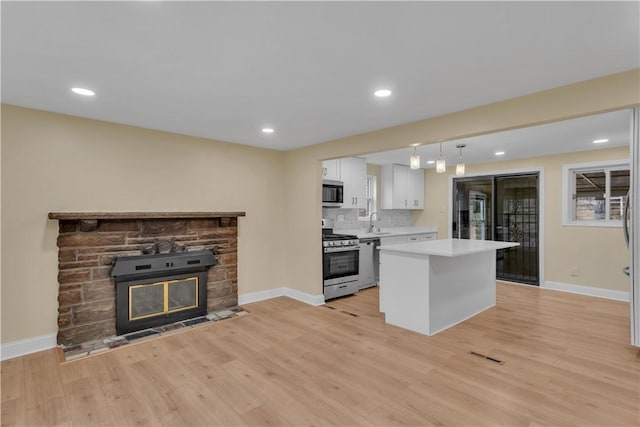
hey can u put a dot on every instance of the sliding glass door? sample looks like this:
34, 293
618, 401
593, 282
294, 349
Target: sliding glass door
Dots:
502, 208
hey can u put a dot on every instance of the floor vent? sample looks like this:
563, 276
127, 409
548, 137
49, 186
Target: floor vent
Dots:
489, 358
343, 311
349, 313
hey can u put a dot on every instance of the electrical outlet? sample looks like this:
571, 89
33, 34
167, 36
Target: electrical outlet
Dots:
573, 271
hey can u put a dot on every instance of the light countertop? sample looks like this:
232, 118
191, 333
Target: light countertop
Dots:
448, 247
388, 232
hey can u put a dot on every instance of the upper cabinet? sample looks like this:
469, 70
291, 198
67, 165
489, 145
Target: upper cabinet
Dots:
353, 173
415, 188
402, 187
331, 169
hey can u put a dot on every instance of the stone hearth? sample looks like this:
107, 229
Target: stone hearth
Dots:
88, 244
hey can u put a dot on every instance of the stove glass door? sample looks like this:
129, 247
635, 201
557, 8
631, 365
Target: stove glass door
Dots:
340, 264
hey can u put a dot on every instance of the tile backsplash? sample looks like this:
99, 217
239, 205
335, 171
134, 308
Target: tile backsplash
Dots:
343, 219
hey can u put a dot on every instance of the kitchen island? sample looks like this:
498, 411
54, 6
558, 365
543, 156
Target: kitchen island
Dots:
432, 285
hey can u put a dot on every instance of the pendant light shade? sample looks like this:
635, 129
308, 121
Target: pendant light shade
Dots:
441, 166
460, 165
414, 161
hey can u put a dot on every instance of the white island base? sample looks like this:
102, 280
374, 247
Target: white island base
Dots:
430, 286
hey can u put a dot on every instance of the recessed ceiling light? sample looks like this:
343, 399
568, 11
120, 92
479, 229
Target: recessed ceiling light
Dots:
600, 141
430, 162
267, 130
499, 153
82, 91
381, 93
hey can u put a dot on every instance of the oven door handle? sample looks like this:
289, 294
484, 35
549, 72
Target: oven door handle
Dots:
342, 249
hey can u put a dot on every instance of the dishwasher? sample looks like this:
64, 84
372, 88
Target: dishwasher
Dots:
369, 268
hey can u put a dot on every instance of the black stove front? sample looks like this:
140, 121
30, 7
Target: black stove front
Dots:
154, 290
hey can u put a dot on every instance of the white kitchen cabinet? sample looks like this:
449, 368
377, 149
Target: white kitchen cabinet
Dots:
331, 169
402, 187
353, 171
422, 237
393, 240
415, 188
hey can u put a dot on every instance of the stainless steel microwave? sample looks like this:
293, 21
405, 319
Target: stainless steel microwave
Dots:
332, 193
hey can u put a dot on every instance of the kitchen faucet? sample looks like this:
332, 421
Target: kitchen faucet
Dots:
370, 229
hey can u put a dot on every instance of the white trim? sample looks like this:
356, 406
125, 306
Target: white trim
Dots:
587, 290
27, 346
541, 205
304, 297
284, 291
634, 238
45, 342
260, 296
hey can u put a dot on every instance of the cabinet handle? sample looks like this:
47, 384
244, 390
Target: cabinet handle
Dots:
405, 203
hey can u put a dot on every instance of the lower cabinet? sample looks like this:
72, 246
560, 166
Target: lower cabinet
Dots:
422, 237
395, 240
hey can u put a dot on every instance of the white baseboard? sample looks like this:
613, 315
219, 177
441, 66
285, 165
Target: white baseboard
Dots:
304, 297
260, 296
45, 342
587, 290
27, 346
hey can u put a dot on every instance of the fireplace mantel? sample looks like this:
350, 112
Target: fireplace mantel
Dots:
71, 216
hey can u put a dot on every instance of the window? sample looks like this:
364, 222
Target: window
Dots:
371, 198
595, 194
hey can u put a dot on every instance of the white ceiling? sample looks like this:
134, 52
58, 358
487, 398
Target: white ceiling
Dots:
553, 138
224, 70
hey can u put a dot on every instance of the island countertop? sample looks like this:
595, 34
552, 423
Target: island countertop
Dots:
448, 247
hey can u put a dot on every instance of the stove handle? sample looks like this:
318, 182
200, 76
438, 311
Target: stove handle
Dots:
341, 249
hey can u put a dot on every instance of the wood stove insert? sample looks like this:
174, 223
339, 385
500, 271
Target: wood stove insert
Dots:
153, 290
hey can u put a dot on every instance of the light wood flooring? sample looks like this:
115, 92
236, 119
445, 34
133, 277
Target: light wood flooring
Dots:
567, 362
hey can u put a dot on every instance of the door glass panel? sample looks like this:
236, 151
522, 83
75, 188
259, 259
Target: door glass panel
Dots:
473, 209
516, 220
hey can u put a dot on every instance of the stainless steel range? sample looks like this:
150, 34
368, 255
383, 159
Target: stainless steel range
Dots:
340, 257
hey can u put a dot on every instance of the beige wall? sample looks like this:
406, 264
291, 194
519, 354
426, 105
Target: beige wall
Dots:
598, 252
52, 162
118, 168
304, 268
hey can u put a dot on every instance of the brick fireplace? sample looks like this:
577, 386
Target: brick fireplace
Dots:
88, 243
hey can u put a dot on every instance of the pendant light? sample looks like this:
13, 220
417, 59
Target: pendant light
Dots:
441, 166
414, 161
460, 165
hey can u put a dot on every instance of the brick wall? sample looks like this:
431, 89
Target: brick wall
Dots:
87, 298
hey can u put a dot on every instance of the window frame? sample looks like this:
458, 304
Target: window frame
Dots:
569, 172
373, 200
